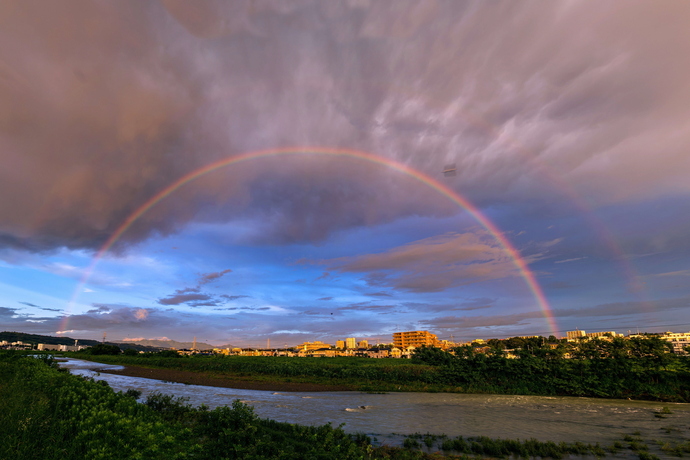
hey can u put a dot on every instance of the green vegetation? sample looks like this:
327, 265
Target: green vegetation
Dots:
485, 447
362, 374
677, 450
47, 413
502, 448
638, 368
105, 349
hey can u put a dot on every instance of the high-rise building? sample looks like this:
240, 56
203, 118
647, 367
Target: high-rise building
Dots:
363, 344
415, 339
340, 344
351, 342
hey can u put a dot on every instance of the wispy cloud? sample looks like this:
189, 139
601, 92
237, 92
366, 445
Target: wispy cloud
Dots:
569, 260
673, 273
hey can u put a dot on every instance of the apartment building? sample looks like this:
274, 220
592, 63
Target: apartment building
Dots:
403, 340
574, 336
679, 340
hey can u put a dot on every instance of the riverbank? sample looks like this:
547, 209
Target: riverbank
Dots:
223, 381
624, 378
88, 418
590, 427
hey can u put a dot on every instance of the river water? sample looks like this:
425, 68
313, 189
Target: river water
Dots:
382, 416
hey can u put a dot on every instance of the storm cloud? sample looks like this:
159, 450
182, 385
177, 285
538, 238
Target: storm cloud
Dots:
567, 122
105, 104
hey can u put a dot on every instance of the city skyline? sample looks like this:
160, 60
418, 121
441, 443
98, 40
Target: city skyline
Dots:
249, 171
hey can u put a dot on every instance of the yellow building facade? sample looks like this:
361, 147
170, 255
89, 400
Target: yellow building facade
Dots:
415, 339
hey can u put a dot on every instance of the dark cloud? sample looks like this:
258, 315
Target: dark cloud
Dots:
208, 303
556, 113
194, 82
6, 312
40, 308
209, 277
179, 299
193, 297
29, 304
100, 308
233, 297
325, 298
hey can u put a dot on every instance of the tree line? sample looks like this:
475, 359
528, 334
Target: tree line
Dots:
636, 368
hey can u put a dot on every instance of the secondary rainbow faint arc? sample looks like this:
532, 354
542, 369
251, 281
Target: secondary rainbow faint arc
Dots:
519, 262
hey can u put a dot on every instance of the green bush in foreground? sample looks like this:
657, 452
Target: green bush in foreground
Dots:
49, 414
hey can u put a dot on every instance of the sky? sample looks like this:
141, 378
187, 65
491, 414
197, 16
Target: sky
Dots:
246, 171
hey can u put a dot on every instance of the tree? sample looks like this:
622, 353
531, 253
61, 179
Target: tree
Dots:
103, 349
514, 343
168, 354
432, 355
496, 344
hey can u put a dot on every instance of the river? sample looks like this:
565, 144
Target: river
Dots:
381, 416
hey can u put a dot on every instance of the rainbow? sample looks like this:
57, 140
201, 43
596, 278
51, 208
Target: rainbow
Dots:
519, 262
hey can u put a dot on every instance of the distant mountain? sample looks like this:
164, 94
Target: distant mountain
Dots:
139, 345
170, 344
35, 339
47, 339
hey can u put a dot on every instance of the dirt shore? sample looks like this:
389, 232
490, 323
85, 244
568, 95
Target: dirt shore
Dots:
224, 381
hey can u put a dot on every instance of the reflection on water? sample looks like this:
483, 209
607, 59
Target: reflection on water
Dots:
498, 416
